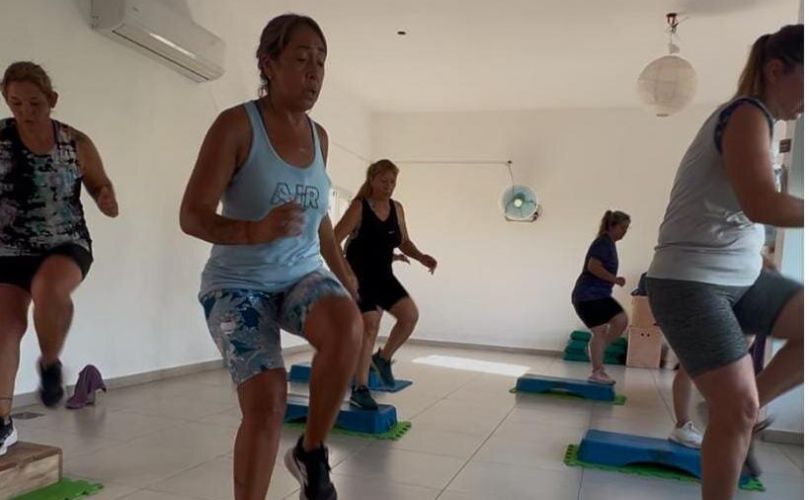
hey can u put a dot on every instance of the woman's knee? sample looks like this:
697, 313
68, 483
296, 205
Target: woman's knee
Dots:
339, 326
350, 325
12, 329
14, 304
370, 326
13, 322
44, 292
408, 315
735, 414
618, 324
265, 420
56, 279
262, 398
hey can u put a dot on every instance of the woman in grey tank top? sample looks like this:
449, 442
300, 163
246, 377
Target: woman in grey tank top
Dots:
706, 285
265, 161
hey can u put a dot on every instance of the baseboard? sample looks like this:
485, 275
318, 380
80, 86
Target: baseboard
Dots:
782, 437
31, 398
484, 347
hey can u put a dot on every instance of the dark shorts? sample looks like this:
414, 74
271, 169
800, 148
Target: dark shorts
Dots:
706, 324
380, 292
20, 270
597, 312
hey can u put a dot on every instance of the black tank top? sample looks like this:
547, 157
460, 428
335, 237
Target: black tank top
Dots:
370, 250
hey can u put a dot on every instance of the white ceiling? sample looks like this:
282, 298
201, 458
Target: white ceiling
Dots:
519, 54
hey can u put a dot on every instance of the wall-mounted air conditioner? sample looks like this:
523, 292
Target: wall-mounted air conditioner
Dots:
164, 33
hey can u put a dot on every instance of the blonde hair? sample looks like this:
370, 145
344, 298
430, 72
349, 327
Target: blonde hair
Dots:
378, 167
786, 45
27, 71
612, 219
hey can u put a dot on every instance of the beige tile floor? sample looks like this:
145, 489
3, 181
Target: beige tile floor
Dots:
471, 439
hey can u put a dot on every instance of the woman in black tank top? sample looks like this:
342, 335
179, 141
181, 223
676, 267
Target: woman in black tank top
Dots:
377, 227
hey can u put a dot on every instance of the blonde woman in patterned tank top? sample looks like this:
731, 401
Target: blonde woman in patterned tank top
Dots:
45, 247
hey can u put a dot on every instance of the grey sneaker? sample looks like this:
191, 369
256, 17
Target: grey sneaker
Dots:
751, 464
362, 399
51, 390
383, 368
311, 469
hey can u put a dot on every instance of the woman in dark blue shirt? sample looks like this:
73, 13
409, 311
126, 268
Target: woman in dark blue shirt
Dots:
592, 295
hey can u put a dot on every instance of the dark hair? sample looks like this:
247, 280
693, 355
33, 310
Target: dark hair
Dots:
376, 168
276, 36
786, 45
27, 71
612, 219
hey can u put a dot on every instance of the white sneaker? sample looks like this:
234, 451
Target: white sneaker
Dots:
601, 377
687, 435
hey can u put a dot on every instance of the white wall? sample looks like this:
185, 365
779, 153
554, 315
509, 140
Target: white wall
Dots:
137, 311
509, 284
789, 408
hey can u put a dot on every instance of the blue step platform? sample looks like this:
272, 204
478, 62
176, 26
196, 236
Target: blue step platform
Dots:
619, 450
349, 418
583, 388
302, 372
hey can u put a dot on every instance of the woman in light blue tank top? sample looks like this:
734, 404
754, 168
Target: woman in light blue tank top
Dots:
265, 162
706, 284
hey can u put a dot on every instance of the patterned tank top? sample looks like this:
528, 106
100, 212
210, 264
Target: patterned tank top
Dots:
40, 195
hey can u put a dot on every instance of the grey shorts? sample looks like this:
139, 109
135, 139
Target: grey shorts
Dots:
706, 324
246, 324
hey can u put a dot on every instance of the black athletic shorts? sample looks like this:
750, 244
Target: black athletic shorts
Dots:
20, 270
380, 292
597, 312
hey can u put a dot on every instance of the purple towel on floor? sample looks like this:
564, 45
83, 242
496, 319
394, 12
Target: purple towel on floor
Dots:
89, 382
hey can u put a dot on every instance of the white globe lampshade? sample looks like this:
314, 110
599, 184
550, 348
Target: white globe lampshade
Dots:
667, 85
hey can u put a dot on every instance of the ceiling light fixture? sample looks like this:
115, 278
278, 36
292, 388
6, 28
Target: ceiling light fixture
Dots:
668, 84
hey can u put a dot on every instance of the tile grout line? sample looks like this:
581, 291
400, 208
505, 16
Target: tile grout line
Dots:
489, 436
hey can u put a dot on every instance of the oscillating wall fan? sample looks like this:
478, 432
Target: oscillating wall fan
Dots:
519, 203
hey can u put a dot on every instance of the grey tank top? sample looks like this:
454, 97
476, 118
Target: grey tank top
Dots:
705, 236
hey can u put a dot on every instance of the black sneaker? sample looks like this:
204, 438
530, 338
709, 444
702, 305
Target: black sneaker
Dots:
382, 367
8, 434
361, 398
51, 391
751, 464
311, 469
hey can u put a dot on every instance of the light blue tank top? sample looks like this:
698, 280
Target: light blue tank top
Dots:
261, 184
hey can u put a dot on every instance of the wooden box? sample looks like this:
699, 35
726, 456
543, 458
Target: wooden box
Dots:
645, 346
641, 313
27, 467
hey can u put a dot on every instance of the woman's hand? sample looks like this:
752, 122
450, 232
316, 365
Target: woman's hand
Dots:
283, 221
429, 262
105, 199
352, 284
